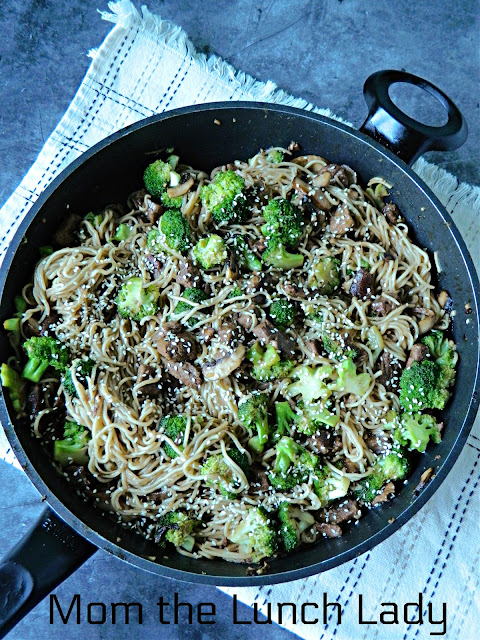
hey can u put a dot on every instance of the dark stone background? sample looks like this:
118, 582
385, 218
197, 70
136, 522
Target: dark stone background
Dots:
321, 50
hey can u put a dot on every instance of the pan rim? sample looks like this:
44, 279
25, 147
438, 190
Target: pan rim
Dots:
312, 569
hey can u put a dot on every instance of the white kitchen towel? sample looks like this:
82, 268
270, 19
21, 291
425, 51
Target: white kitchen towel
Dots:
146, 66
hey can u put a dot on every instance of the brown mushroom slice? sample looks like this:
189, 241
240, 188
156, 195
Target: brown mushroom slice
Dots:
417, 353
224, 365
185, 372
388, 491
302, 161
176, 346
363, 284
341, 221
428, 319
153, 211
181, 189
232, 270
267, 333
317, 197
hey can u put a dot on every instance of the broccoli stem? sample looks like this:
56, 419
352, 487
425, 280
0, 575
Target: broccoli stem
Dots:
13, 382
34, 369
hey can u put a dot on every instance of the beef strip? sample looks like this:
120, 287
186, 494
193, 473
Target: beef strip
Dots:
154, 265
47, 325
391, 213
350, 467
137, 198
188, 275
320, 442
377, 442
382, 306
363, 285
185, 372
245, 320
417, 353
328, 530
260, 477
152, 389
314, 347
343, 511
391, 371
341, 221
65, 234
174, 345
267, 333
294, 291
154, 211
388, 491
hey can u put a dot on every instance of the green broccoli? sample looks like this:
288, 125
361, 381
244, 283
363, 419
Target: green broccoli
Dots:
135, 301
95, 219
293, 522
73, 449
282, 312
194, 295
12, 381
174, 428
310, 383
157, 177
83, 369
337, 345
275, 255
285, 418
274, 156
13, 325
223, 197
176, 230
349, 381
178, 528
253, 414
210, 252
234, 293
122, 232
44, 352
329, 486
395, 465
267, 364
293, 464
256, 535
416, 430
246, 258
220, 474
443, 352
423, 386
324, 276
283, 221
314, 416
171, 203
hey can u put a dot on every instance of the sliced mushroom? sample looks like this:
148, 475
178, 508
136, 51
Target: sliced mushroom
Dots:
181, 189
341, 221
417, 353
232, 271
224, 365
445, 301
392, 213
294, 291
317, 197
188, 275
147, 372
175, 346
428, 319
362, 286
185, 372
388, 491
322, 179
269, 334
137, 198
382, 306
153, 211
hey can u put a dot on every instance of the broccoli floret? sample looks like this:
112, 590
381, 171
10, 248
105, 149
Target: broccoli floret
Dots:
349, 381
423, 386
135, 301
173, 427
256, 535
286, 419
194, 295
444, 354
324, 275
175, 228
293, 522
73, 449
234, 293
274, 156
83, 369
12, 381
283, 221
176, 527
157, 177
246, 258
329, 485
223, 197
122, 232
253, 413
282, 312
293, 464
220, 474
275, 255
337, 345
314, 415
395, 465
310, 383
210, 251
171, 203
44, 352
267, 364
416, 430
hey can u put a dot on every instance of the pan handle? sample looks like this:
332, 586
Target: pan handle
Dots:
403, 135
43, 558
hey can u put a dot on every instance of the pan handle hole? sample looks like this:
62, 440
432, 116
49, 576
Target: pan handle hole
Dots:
418, 104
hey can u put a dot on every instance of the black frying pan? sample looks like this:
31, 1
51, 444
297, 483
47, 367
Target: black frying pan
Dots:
70, 530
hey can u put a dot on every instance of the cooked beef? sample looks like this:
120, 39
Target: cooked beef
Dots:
65, 236
341, 221
185, 372
320, 442
154, 211
350, 467
314, 347
294, 291
377, 442
137, 198
388, 491
363, 285
391, 370
174, 345
245, 320
152, 389
343, 512
188, 275
391, 213
229, 333
267, 333
328, 530
417, 353
154, 265
232, 271
47, 325
382, 306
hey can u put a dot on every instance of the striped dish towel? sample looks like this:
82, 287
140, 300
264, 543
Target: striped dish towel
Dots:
146, 66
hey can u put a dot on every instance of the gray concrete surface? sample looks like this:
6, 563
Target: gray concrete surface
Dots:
320, 50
